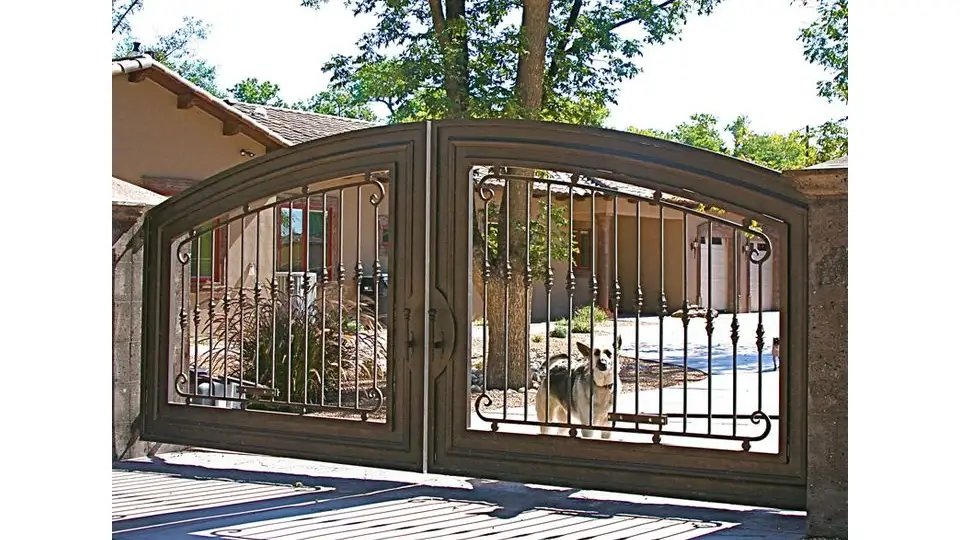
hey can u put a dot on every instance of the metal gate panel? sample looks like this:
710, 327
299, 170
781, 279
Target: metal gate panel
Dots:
202, 270
658, 466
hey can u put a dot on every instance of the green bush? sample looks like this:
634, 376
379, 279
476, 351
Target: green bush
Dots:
537, 338
274, 330
581, 319
559, 329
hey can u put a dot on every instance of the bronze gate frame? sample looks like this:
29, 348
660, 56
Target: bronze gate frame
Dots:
430, 312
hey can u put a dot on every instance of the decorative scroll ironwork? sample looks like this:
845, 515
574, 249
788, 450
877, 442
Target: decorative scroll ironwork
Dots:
283, 351
660, 424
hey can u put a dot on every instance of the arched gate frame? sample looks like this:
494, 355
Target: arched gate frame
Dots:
416, 407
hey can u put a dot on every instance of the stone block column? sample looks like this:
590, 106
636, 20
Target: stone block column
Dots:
826, 190
127, 329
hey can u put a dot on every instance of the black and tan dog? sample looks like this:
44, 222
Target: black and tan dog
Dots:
569, 389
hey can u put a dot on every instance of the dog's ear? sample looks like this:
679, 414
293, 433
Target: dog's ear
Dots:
584, 349
619, 341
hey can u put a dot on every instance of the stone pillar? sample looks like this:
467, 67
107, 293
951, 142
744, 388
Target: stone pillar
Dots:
127, 328
826, 189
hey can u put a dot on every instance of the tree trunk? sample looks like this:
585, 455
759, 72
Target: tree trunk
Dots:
508, 329
507, 343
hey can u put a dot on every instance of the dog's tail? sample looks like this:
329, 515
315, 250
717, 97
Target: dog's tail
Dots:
557, 360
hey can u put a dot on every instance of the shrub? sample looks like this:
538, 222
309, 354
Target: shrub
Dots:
559, 329
281, 327
537, 338
581, 319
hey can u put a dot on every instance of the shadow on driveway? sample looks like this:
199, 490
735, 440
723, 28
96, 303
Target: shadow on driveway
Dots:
331, 507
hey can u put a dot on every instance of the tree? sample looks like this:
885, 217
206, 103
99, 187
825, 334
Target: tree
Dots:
448, 59
701, 132
825, 44
337, 103
252, 90
794, 150
174, 50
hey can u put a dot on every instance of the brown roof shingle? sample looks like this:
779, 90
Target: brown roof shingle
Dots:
299, 126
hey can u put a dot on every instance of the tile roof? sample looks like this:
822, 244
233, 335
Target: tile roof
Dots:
127, 194
299, 126
628, 190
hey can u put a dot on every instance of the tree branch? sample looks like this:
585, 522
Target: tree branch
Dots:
439, 22
637, 17
124, 16
562, 50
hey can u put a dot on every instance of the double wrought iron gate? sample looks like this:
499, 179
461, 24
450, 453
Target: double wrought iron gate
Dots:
517, 300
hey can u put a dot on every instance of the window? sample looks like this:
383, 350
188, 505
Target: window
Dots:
582, 259
293, 254
207, 253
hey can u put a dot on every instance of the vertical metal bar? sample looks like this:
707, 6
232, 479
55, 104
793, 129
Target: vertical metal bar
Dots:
325, 278
376, 287
593, 295
358, 275
527, 281
211, 306
196, 316
616, 301
709, 244
548, 288
341, 277
685, 319
290, 289
508, 277
243, 296
275, 257
184, 320
256, 306
486, 289
662, 313
734, 324
760, 331
571, 287
306, 295
226, 305
638, 305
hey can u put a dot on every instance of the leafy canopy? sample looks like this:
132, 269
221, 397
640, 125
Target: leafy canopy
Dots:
794, 150
417, 51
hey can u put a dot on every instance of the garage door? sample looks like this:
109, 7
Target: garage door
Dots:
718, 293
766, 269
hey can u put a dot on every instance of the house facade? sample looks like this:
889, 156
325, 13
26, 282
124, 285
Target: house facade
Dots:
168, 135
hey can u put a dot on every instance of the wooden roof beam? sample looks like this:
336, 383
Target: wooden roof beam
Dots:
185, 101
231, 128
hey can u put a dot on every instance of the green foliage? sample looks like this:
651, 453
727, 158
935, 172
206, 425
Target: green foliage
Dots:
336, 103
122, 11
581, 319
253, 90
536, 338
825, 44
518, 237
701, 132
272, 337
174, 50
462, 59
794, 150
558, 328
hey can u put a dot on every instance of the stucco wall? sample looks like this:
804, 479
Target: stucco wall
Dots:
152, 138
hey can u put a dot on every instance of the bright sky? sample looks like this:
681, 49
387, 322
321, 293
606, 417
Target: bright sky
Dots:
742, 59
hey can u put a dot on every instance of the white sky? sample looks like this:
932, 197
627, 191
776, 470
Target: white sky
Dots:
742, 59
